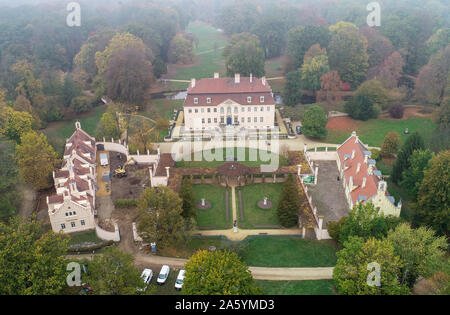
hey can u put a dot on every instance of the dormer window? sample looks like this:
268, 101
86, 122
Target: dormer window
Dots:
208, 100
249, 99
195, 100
261, 99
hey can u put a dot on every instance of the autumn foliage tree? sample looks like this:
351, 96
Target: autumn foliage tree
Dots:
391, 144
36, 159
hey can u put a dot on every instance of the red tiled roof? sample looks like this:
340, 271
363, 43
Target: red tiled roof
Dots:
55, 199
217, 99
228, 85
371, 187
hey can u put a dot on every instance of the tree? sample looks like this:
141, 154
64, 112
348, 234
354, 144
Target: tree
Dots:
289, 203
413, 175
142, 135
422, 253
128, 76
351, 272
331, 81
342, 25
314, 51
119, 42
160, 217
113, 273
8, 179
70, 90
389, 71
28, 85
442, 115
238, 17
36, 159
378, 47
33, 261
219, 272
368, 101
293, 89
22, 104
108, 127
391, 144
433, 82
433, 203
271, 32
438, 40
314, 122
181, 50
187, 196
301, 38
366, 221
81, 104
312, 70
245, 57
347, 54
14, 124
334, 228
414, 142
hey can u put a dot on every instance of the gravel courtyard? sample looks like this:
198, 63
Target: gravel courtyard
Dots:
328, 195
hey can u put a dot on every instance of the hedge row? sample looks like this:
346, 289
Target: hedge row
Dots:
126, 203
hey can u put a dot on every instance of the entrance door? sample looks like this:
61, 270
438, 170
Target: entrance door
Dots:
229, 121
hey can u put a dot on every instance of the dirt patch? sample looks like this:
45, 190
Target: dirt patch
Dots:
342, 124
411, 112
132, 186
389, 160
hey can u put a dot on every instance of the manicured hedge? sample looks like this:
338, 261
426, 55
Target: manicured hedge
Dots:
126, 203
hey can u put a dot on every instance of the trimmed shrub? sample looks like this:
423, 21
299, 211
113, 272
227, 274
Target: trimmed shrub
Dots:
126, 203
396, 111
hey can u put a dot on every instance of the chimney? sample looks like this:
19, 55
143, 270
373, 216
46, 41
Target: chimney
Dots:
353, 154
251, 77
216, 75
370, 169
263, 80
237, 78
364, 182
358, 168
366, 159
167, 171
77, 125
193, 83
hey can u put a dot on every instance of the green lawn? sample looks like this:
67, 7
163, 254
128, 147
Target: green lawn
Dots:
58, 132
288, 252
372, 132
208, 56
162, 107
216, 215
85, 237
253, 215
249, 159
305, 287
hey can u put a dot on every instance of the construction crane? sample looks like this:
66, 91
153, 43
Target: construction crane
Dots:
121, 171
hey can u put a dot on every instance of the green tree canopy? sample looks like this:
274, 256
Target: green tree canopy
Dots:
187, 195
14, 124
293, 88
244, 57
33, 261
8, 179
289, 203
433, 202
391, 144
351, 272
312, 70
314, 122
160, 217
220, 272
414, 142
413, 175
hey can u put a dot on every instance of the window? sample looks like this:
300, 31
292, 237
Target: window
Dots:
196, 110
221, 110
255, 109
249, 119
215, 110
249, 99
229, 110
203, 110
82, 222
242, 109
215, 120
203, 120
236, 110
261, 119
72, 224
67, 214
222, 120
268, 108
208, 100
261, 99
236, 119
74, 213
190, 111
208, 110
255, 119
262, 108
242, 120
195, 100
63, 226
209, 120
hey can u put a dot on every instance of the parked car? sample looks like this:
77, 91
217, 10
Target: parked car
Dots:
147, 276
163, 274
85, 289
299, 130
180, 280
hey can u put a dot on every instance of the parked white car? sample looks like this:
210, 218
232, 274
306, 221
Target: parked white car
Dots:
147, 276
163, 274
180, 280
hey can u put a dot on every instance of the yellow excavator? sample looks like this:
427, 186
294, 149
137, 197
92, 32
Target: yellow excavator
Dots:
121, 171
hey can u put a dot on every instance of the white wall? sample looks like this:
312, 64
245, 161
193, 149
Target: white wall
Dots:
106, 235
